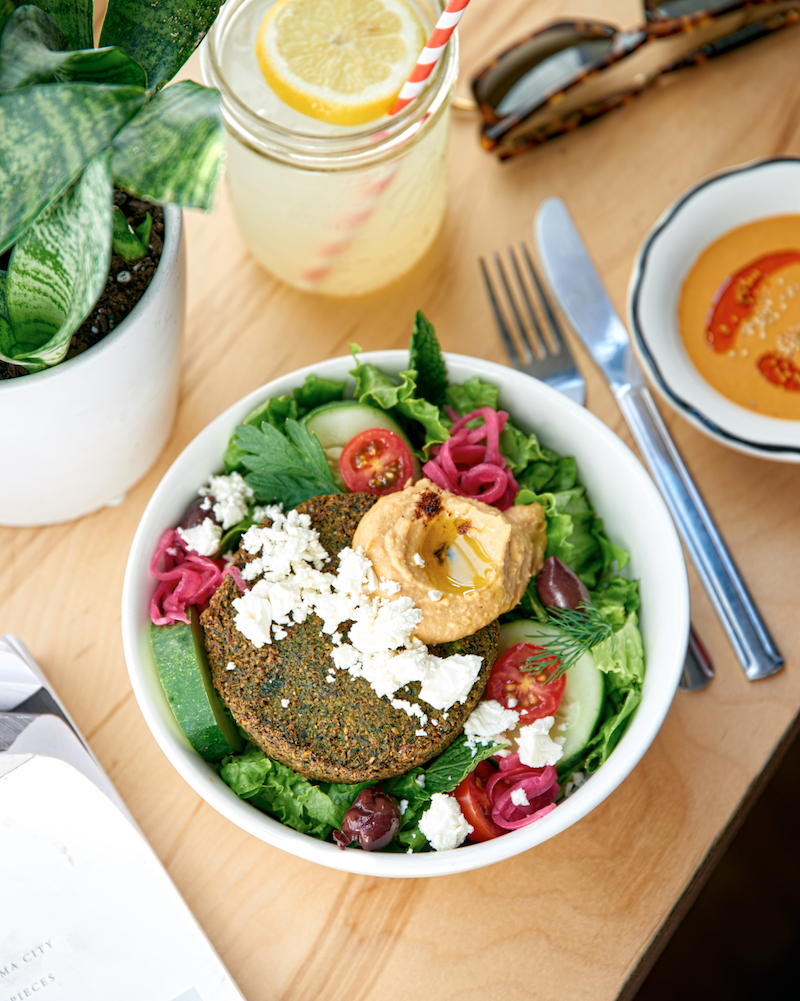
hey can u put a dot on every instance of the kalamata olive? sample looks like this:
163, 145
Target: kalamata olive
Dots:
197, 512
560, 587
372, 820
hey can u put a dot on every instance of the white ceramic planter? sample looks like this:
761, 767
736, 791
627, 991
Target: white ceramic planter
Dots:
77, 436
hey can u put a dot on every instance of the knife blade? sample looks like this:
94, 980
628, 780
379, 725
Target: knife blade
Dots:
579, 290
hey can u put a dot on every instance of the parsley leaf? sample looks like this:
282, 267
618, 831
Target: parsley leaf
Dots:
288, 467
425, 357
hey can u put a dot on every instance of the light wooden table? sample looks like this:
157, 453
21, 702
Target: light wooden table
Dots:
578, 916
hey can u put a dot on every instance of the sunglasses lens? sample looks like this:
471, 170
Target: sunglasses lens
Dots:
682, 8
528, 73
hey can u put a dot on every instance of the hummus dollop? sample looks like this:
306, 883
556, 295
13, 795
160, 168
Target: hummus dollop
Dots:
463, 563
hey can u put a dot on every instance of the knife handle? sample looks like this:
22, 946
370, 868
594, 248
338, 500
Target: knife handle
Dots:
746, 630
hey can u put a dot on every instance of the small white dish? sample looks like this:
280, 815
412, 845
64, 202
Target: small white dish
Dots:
713, 207
634, 516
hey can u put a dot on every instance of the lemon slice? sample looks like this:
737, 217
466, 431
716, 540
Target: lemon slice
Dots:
340, 61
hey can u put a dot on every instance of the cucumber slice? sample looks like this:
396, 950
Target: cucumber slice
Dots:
336, 423
584, 694
180, 657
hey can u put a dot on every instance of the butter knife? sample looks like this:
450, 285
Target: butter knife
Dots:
578, 289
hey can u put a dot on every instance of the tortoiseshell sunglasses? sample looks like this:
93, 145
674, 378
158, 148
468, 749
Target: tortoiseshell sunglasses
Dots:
570, 73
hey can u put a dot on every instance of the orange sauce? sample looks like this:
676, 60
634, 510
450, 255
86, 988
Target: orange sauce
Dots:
739, 316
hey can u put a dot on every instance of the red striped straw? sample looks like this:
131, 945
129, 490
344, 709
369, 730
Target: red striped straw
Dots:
431, 54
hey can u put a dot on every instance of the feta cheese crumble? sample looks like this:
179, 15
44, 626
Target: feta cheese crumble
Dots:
285, 703
418, 560
534, 745
487, 722
204, 538
230, 666
231, 497
379, 645
443, 823
435, 595
519, 797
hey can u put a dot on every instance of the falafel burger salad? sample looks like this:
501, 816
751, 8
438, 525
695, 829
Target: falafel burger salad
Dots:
393, 620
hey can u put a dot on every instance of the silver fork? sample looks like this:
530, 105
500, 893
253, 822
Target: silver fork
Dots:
547, 357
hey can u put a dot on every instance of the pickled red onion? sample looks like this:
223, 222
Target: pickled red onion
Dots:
538, 784
186, 579
470, 463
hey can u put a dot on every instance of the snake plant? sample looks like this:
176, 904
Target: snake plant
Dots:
76, 120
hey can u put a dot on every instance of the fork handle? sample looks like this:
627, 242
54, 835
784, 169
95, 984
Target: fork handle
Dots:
746, 630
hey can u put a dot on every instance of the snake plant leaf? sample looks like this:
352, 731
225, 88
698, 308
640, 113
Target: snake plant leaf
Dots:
159, 34
47, 135
33, 49
172, 150
58, 269
6, 335
123, 240
144, 229
7, 8
74, 18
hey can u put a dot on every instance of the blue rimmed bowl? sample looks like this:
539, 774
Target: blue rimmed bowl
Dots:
706, 212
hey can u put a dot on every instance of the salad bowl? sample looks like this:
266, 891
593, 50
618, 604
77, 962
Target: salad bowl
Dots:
634, 516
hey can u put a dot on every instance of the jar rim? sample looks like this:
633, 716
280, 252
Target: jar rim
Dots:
325, 152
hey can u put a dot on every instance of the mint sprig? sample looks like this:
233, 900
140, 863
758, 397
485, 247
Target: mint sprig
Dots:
425, 357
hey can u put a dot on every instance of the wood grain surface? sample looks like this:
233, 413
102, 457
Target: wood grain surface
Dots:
572, 918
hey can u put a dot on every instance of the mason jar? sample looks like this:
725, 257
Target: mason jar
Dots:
340, 211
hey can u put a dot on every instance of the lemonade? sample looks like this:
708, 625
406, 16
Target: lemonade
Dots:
330, 193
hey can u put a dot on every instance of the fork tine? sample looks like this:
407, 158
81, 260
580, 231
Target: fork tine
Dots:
513, 307
556, 330
541, 343
505, 333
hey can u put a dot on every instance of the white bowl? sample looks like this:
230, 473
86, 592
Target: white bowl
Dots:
634, 516
716, 205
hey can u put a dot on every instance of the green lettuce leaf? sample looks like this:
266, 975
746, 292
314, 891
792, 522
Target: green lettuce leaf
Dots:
550, 473
309, 807
421, 420
471, 395
315, 392
621, 700
576, 535
623, 653
616, 599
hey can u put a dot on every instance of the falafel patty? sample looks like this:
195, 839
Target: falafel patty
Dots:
332, 732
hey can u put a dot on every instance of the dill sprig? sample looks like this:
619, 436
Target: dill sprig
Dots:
580, 629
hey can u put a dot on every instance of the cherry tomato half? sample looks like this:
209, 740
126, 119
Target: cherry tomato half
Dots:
535, 696
376, 461
475, 805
